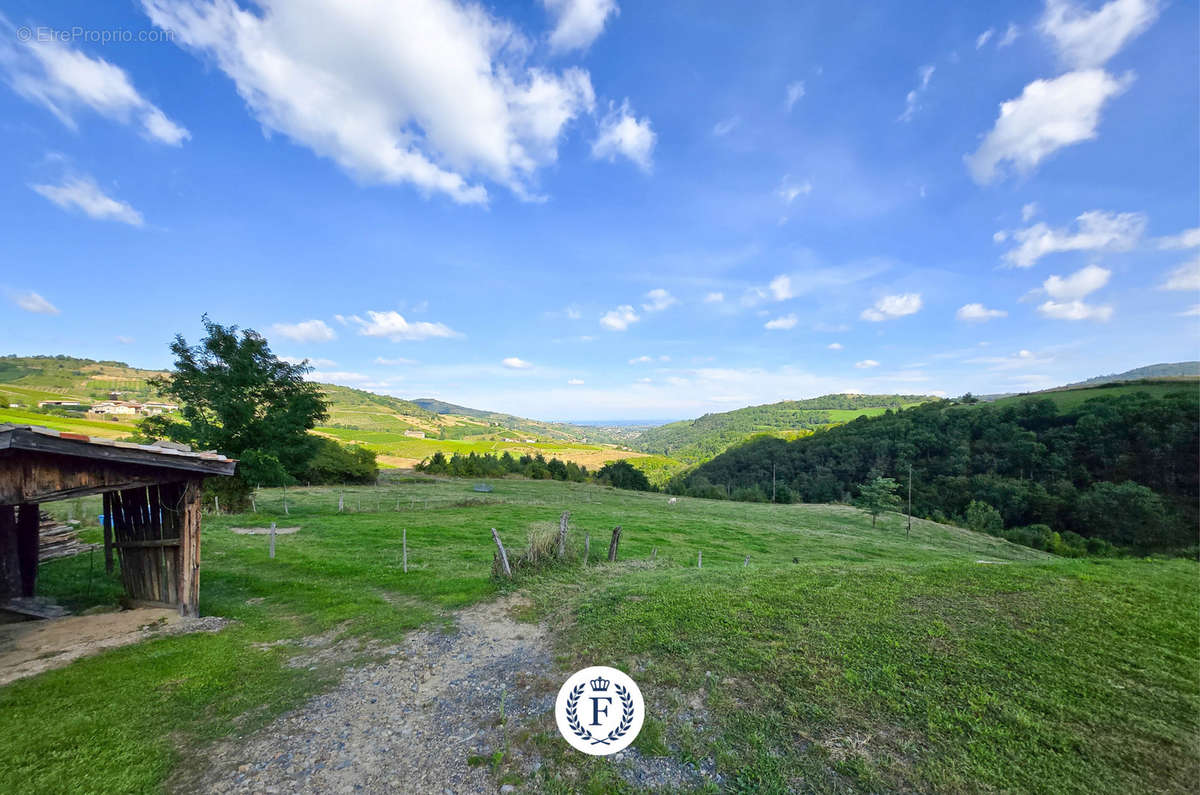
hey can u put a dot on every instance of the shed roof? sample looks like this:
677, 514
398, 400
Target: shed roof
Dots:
46, 440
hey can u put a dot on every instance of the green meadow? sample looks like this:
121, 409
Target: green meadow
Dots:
841, 658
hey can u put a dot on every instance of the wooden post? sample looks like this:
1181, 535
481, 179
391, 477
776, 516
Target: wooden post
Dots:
746, 561
562, 533
908, 530
700, 559
286, 512
272, 541
587, 547
216, 504
106, 501
341, 502
612, 545
503, 556
772, 481
253, 505
654, 553
404, 542
28, 520
189, 549
10, 569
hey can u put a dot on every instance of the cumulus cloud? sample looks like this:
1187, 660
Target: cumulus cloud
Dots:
781, 323
1010, 35
311, 360
305, 331
1185, 277
1049, 115
393, 362
1188, 238
1028, 211
1085, 38
912, 102
834, 346
789, 190
1067, 294
578, 22
893, 306
794, 93
575, 381
1191, 311
437, 94
392, 325
514, 363
83, 194
781, 288
866, 364
32, 302
64, 81
338, 377
622, 133
620, 318
658, 300
978, 313
984, 38
1096, 230
714, 298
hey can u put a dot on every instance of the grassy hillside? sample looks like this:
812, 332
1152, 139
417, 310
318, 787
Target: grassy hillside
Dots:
1067, 398
523, 426
1165, 370
843, 658
698, 440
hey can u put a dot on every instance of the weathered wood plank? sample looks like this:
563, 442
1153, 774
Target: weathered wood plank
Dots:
28, 521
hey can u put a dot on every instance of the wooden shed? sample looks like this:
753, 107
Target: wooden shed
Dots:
151, 508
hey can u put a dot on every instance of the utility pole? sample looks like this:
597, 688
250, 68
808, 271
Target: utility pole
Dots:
908, 531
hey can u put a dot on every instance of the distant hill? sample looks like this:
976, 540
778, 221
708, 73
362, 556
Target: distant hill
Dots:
1151, 372
698, 440
561, 431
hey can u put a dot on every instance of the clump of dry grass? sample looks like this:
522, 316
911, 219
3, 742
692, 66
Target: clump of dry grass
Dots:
539, 553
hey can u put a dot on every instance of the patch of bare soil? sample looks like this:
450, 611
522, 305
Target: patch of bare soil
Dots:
264, 531
30, 647
409, 724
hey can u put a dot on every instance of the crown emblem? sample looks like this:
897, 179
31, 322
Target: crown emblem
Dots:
599, 684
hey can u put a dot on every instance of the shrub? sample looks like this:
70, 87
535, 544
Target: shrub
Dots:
1126, 513
748, 494
983, 518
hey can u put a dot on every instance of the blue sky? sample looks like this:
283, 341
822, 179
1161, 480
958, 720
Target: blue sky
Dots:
591, 209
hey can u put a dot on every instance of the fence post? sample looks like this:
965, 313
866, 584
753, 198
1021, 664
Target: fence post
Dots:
587, 547
746, 561
286, 512
404, 541
612, 545
654, 553
272, 553
503, 556
562, 533
253, 505
341, 502
700, 559
216, 504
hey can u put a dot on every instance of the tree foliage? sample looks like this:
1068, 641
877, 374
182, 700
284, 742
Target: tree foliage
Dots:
878, 496
623, 475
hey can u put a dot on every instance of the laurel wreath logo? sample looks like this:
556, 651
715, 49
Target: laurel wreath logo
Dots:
582, 733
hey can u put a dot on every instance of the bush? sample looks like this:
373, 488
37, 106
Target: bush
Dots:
623, 475
983, 518
1124, 513
748, 494
338, 463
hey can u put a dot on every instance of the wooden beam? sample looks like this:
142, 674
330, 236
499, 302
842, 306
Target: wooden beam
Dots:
189, 549
25, 439
28, 521
10, 569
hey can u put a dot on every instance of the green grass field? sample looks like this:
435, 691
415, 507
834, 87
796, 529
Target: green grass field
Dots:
1067, 399
104, 428
842, 658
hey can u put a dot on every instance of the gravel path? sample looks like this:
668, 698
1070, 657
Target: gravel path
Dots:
406, 725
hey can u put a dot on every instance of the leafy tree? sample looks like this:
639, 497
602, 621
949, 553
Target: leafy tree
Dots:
983, 518
623, 475
878, 496
1123, 513
238, 398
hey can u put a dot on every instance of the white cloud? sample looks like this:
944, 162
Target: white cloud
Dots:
1028, 211
1192, 311
393, 362
33, 302
788, 190
619, 319
641, 360
432, 93
978, 313
1081, 283
1010, 35
726, 126
1049, 115
1067, 292
305, 331
121, 338
1188, 238
1075, 310
781, 323
1085, 38
866, 364
795, 91
575, 381
834, 346
622, 133
659, 299
781, 288
714, 298
85, 195
578, 22
912, 102
312, 360
1096, 230
893, 306
984, 38
64, 80
393, 326
514, 363
338, 377
1185, 277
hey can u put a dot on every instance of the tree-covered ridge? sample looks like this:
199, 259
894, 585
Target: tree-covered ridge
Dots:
703, 438
1032, 463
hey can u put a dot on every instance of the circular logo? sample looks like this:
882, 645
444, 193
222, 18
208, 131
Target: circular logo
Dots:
599, 710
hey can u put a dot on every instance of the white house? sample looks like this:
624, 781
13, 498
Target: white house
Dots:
415, 434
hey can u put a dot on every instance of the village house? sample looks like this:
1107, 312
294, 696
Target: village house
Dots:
415, 434
58, 404
128, 407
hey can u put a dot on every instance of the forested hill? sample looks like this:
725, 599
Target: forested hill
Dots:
1167, 370
1122, 467
698, 440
